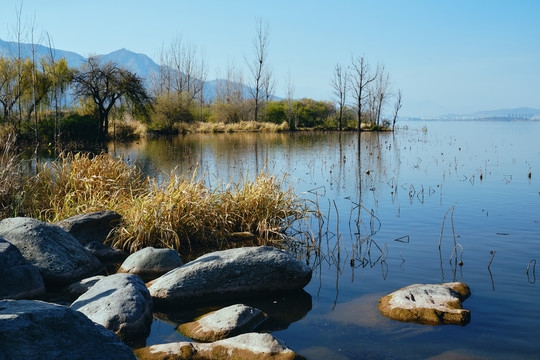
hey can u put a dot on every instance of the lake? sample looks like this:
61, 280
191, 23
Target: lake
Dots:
384, 198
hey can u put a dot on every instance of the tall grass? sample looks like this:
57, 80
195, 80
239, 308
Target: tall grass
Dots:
10, 173
181, 213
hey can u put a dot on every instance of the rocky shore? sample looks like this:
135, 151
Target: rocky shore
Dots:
108, 312
102, 315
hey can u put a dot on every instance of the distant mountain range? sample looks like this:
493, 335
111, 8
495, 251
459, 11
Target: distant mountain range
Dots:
137, 63
519, 114
144, 66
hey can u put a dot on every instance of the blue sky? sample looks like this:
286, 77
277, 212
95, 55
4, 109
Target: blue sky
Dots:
446, 56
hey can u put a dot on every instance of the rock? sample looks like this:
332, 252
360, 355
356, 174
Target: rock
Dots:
429, 304
242, 347
32, 329
231, 274
150, 263
18, 278
105, 253
119, 302
282, 309
229, 321
91, 227
80, 287
59, 257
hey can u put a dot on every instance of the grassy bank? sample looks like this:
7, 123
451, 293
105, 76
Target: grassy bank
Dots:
181, 213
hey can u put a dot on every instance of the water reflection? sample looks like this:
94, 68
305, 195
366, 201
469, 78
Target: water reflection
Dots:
383, 198
282, 310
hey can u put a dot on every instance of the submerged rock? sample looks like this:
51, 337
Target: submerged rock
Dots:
431, 304
121, 303
39, 330
242, 347
91, 227
105, 253
18, 278
230, 274
150, 263
59, 257
229, 321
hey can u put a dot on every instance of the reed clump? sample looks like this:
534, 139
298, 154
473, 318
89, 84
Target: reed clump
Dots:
180, 213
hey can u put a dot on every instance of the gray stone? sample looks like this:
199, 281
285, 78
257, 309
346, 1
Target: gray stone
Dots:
430, 304
80, 287
105, 253
121, 303
227, 322
242, 347
231, 274
18, 278
60, 258
39, 330
150, 263
91, 227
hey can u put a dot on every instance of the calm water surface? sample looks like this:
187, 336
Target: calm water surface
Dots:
405, 183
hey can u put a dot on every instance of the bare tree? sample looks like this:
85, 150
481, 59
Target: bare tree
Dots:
182, 71
290, 97
381, 94
18, 29
397, 107
359, 80
269, 86
33, 107
339, 85
258, 67
229, 105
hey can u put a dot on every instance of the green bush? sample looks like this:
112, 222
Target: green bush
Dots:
79, 127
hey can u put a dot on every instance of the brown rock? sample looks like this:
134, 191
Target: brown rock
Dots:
429, 304
242, 347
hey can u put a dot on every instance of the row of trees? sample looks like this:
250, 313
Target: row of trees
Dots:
32, 90
370, 92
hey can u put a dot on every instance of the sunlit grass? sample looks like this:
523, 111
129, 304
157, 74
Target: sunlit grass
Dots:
181, 212
220, 127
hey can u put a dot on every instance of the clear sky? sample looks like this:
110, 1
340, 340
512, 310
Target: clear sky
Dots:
447, 56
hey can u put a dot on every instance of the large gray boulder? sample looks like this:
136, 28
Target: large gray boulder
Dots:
39, 330
91, 227
150, 263
430, 304
242, 347
231, 274
226, 322
18, 278
121, 303
60, 258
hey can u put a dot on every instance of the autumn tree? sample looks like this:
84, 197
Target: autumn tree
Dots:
105, 84
9, 94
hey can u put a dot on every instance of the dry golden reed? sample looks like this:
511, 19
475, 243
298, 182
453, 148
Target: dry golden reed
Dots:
181, 212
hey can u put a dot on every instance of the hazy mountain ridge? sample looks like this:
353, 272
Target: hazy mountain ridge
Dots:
140, 64
144, 66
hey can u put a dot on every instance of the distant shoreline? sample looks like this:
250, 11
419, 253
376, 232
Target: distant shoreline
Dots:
498, 119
